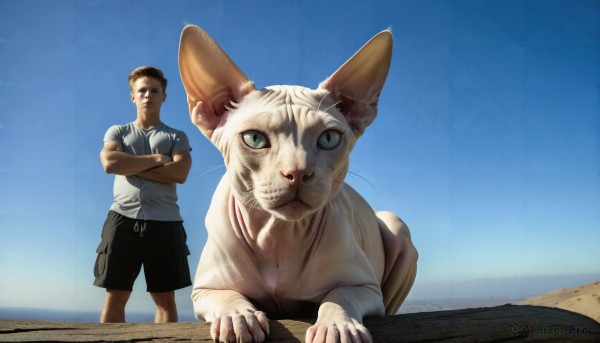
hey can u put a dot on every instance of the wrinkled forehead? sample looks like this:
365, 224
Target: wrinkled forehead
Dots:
289, 103
274, 97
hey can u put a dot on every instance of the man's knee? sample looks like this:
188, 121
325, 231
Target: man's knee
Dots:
117, 297
164, 299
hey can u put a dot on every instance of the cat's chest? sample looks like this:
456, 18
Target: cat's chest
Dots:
280, 263
280, 258
285, 290
283, 262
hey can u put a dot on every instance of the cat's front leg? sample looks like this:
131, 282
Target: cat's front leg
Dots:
233, 318
340, 317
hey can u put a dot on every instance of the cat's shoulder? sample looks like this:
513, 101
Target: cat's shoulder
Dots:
352, 199
349, 191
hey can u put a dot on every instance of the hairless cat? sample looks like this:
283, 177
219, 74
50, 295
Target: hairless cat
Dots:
287, 237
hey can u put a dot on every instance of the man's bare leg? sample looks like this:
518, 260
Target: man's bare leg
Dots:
166, 308
113, 310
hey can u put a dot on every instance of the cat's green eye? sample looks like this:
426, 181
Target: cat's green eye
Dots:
329, 140
255, 139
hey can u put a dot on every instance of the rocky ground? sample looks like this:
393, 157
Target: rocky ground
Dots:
514, 323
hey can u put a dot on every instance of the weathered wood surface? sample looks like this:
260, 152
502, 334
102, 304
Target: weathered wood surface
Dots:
494, 324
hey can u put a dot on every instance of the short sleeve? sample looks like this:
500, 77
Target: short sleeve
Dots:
181, 141
113, 134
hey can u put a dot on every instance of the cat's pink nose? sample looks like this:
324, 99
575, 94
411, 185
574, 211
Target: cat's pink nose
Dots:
298, 176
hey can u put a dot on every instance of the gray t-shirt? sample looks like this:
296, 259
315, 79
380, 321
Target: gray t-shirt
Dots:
134, 196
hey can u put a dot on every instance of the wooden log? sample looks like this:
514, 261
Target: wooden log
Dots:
493, 324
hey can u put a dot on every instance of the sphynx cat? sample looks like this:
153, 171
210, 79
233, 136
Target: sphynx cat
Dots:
287, 237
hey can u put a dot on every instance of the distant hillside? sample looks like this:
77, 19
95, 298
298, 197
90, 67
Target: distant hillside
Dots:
583, 299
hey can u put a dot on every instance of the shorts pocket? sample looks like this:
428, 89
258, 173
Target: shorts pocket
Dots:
181, 248
182, 251
101, 259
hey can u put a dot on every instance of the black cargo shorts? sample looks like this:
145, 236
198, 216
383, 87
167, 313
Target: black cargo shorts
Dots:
128, 244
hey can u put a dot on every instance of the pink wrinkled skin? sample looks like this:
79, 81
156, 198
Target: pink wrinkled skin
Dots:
287, 237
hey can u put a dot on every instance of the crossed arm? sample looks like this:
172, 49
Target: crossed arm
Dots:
155, 167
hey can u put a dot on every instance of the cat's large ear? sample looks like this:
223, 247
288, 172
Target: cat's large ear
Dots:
356, 85
211, 80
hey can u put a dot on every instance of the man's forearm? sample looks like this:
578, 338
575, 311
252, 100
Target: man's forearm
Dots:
173, 172
122, 163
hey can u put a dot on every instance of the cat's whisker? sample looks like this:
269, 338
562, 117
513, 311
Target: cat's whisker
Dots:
212, 169
320, 102
277, 221
249, 198
364, 179
194, 178
254, 204
327, 109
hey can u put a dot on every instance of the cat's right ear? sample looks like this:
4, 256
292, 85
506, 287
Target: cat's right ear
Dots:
211, 80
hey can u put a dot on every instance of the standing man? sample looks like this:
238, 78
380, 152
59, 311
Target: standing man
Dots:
144, 226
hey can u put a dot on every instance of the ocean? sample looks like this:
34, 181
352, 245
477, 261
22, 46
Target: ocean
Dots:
78, 316
409, 306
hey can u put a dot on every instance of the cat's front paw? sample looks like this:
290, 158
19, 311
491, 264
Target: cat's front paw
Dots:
248, 326
342, 329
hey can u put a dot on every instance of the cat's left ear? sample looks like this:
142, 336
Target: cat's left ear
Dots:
356, 85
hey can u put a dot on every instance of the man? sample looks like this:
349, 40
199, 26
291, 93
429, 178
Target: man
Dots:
144, 226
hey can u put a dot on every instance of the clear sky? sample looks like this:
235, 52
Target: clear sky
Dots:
487, 141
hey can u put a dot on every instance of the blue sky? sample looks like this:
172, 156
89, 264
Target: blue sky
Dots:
487, 141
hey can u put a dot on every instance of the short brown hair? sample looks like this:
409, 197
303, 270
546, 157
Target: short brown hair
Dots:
147, 71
